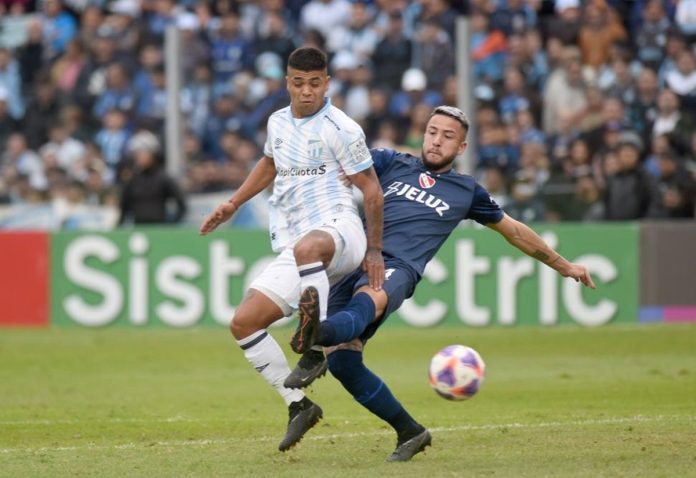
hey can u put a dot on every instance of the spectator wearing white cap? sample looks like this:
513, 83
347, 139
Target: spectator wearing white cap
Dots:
566, 24
414, 90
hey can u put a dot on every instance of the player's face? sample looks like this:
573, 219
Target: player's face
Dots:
444, 139
307, 90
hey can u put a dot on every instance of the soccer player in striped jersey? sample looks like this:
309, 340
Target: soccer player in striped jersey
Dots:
314, 223
424, 200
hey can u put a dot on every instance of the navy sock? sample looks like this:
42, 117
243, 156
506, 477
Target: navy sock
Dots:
349, 323
371, 392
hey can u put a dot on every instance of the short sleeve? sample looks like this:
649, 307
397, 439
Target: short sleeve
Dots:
382, 158
267, 146
350, 149
484, 209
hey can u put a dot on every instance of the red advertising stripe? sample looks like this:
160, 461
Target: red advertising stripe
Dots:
24, 278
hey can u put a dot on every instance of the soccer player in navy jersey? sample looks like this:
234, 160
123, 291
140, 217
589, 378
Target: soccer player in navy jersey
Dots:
424, 200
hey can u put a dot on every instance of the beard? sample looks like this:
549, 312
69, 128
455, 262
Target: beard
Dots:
442, 163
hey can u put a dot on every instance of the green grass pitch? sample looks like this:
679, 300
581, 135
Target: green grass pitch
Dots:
567, 401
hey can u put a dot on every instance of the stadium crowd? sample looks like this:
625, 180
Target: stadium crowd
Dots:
585, 110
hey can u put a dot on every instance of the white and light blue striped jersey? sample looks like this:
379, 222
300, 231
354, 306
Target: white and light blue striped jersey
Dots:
309, 155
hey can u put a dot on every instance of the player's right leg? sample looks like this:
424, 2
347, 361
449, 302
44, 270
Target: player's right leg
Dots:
270, 298
346, 364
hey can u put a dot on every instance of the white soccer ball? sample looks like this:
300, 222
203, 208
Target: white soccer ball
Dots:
456, 372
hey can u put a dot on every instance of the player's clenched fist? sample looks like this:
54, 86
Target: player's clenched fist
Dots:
221, 214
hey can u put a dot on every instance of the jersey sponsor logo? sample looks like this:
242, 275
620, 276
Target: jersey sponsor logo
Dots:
414, 194
285, 172
426, 181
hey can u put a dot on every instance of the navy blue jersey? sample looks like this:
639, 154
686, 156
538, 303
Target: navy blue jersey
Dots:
422, 208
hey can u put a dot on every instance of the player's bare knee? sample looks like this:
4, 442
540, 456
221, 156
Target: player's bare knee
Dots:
315, 246
241, 327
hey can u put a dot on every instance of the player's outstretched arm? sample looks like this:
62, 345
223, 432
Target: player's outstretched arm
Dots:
526, 240
259, 179
373, 202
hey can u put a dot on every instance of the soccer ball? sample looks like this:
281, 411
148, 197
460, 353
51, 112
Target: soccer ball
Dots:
456, 372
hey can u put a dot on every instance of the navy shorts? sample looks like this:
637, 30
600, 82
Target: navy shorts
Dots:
399, 283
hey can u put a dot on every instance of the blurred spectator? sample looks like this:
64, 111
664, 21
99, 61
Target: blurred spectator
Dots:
11, 83
123, 23
440, 13
414, 90
163, 15
631, 193
226, 116
643, 110
275, 36
66, 70
651, 37
413, 141
676, 45
514, 98
272, 95
564, 94
493, 179
358, 92
59, 27
488, 49
113, 137
392, 54
42, 111
566, 24
683, 80
379, 113
677, 187
68, 151
525, 205
8, 125
433, 52
599, 31
196, 96
230, 52
146, 194
152, 104
685, 18
325, 15
118, 93
357, 36
196, 48
25, 162
671, 121
513, 16
30, 55
14, 25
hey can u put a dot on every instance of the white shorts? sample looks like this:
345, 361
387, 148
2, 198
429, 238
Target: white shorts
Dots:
280, 280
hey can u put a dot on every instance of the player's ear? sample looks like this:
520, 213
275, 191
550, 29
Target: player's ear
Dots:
462, 147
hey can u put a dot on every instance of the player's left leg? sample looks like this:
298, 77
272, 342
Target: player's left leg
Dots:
346, 364
360, 317
323, 256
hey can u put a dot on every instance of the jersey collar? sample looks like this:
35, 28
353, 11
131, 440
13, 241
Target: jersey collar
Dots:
297, 122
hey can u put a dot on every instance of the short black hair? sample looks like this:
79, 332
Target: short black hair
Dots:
308, 58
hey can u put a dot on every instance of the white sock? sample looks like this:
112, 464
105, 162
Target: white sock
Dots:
314, 275
266, 356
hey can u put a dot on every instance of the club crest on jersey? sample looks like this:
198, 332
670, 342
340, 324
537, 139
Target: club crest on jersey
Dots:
426, 181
